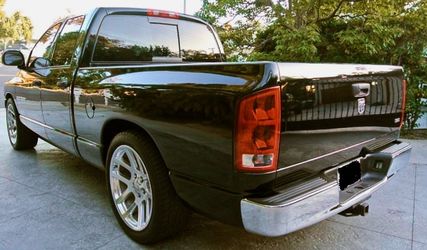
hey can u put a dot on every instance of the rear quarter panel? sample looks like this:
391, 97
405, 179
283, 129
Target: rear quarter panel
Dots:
187, 109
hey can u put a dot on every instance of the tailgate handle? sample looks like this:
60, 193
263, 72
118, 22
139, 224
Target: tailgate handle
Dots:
361, 89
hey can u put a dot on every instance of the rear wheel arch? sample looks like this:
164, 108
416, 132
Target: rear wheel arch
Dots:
115, 126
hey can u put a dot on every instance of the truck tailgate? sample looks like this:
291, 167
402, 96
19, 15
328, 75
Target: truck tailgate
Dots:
332, 113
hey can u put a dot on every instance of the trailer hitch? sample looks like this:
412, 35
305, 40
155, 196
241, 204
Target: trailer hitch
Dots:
359, 209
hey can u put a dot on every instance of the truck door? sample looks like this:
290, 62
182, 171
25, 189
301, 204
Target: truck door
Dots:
56, 92
28, 99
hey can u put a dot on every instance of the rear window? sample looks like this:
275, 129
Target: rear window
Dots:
132, 38
198, 43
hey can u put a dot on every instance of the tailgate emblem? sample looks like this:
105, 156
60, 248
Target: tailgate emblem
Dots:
361, 105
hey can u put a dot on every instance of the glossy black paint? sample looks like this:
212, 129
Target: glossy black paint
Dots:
27, 97
188, 111
56, 105
321, 124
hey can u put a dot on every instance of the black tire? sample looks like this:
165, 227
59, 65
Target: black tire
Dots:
20, 137
168, 214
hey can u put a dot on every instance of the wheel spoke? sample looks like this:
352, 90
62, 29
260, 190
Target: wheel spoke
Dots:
141, 168
148, 195
11, 123
147, 210
141, 215
123, 196
119, 177
138, 184
146, 186
132, 160
10, 110
121, 163
130, 210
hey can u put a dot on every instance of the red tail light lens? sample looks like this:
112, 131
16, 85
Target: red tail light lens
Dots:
257, 135
402, 116
162, 13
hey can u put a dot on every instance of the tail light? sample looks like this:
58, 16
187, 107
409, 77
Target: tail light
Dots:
402, 115
162, 13
257, 134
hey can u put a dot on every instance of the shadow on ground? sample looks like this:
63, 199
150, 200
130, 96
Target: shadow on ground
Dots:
52, 200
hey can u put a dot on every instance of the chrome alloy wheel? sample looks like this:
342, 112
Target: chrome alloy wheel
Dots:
12, 127
130, 187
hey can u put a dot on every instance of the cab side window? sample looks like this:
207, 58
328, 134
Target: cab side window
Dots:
66, 42
44, 47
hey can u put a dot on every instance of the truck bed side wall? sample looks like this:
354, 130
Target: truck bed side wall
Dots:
187, 110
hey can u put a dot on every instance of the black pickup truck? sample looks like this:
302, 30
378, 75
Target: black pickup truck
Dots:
145, 94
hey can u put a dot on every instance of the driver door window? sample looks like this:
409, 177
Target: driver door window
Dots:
66, 42
44, 47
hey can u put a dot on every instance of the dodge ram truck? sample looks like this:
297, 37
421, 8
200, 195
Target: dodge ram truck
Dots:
147, 95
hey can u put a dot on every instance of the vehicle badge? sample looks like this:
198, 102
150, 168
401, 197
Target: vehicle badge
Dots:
361, 105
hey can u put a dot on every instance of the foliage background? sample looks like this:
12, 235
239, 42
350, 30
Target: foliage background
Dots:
351, 31
16, 27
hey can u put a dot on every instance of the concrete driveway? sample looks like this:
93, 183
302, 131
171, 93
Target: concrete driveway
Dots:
51, 200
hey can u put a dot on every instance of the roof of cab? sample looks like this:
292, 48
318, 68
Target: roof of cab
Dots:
126, 10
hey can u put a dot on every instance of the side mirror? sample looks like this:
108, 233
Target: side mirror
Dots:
40, 62
13, 58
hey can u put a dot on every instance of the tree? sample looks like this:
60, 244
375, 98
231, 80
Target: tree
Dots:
23, 26
357, 31
236, 21
16, 27
8, 32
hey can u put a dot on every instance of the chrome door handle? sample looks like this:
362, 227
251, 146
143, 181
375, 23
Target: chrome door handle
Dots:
361, 89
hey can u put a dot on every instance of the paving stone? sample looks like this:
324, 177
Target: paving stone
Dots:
401, 185
2, 179
418, 155
419, 246
206, 234
17, 199
420, 221
62, 224
49, 169
387, 214
421, 186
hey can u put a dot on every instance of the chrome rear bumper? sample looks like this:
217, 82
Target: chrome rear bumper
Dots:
264, 217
